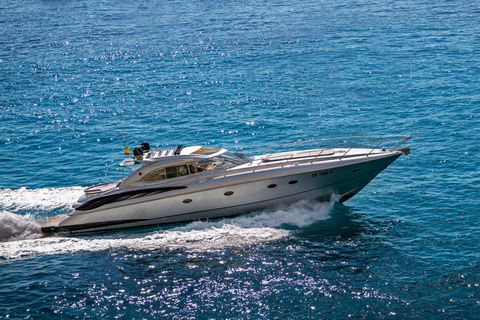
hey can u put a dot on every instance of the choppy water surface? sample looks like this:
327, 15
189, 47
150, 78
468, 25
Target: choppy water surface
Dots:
77, 76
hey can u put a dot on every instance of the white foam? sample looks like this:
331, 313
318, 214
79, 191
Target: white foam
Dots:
39, 199
18, 227
300, 214
227, 235
244, 230
31, 203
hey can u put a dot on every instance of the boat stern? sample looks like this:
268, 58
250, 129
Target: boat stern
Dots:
52, 225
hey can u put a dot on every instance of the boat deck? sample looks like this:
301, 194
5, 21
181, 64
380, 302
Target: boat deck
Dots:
54, 222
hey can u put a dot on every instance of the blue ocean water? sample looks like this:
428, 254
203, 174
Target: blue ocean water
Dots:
77, 76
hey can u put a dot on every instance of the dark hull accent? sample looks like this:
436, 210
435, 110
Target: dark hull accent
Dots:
87, 226
346, 197
98, 202
90, 228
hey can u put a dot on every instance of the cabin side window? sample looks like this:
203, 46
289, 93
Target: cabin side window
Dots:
171, 172
155, 175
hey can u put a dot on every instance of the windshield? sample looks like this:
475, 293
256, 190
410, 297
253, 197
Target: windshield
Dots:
223, 161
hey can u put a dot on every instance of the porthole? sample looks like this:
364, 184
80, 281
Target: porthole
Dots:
356, 170
271, 186
187, 200
228, 193
292, 182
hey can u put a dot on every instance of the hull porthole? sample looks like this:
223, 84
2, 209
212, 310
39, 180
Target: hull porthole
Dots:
292, 182
187, 200
271, 186
228, 193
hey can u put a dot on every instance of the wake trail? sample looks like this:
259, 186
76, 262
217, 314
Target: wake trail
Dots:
23, 211
254, 228
17, 227
43, 199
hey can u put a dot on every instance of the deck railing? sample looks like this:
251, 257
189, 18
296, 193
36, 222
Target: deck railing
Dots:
348, 142
372, 142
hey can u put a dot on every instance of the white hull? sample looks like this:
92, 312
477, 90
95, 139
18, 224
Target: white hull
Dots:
232, 194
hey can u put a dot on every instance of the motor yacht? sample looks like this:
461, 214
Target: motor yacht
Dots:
188, 183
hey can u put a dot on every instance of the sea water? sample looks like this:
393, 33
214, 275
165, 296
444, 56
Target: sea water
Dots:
78, 76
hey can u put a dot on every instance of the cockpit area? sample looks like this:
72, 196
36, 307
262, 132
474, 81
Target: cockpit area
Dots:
222, 161
171, 172
159, 165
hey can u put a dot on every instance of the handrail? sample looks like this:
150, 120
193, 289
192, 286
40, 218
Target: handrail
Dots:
404, 140
377, 139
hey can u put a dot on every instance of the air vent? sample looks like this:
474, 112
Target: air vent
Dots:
292, 182
187, 200
228, 193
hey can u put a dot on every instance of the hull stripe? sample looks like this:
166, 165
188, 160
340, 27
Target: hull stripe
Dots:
98, 202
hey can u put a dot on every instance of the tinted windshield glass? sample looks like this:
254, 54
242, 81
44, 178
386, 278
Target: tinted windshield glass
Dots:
223, 161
